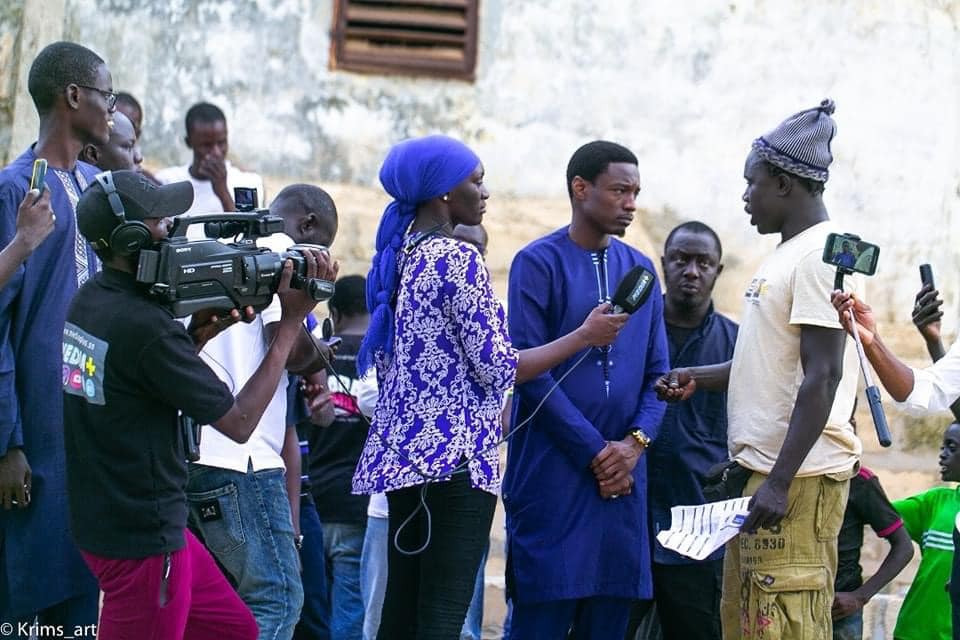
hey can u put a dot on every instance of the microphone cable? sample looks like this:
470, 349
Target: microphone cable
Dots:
431, 478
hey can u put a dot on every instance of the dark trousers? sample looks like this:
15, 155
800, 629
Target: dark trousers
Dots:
428, 594
597, 618
314, 623
688, 599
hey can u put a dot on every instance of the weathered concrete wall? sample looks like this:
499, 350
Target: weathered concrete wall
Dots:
686, 85
10, 28
25, 27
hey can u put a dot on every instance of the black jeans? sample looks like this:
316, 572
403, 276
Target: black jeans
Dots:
428, 594
688, 599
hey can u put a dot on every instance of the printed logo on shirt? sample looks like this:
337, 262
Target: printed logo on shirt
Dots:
83, 364
758, 287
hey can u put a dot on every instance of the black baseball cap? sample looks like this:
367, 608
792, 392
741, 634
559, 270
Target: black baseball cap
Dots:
141, 199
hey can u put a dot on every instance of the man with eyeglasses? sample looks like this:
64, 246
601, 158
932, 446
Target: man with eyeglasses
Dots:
41, 572
108, 95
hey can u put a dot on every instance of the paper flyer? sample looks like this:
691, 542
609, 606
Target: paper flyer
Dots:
698, 531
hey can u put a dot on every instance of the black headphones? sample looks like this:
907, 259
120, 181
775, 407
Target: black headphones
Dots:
127, 238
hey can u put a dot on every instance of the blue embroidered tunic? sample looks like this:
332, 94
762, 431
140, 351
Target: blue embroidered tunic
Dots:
40, 562
442, 392
564, 540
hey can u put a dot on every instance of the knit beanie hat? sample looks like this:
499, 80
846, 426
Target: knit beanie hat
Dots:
801, 144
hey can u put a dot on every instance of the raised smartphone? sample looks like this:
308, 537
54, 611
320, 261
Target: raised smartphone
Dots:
38, 178
926, 275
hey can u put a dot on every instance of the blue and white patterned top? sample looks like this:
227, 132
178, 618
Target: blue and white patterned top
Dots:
442, 393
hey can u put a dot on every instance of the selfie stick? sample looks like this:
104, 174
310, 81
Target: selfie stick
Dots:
873, 393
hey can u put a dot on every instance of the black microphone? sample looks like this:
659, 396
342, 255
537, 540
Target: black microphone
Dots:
633, 290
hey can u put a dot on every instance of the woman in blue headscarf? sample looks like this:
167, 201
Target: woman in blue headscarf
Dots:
444, 362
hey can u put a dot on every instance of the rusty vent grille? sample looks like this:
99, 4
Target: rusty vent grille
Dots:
420, 37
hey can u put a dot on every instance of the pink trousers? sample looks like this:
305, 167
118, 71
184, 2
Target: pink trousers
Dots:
180, 595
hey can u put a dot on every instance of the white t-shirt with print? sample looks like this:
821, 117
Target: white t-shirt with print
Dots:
790, 289
235, 355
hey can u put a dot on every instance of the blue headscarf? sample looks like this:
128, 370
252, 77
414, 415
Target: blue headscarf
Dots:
414, 171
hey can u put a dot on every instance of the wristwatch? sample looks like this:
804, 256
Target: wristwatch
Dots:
298, 542
642, 438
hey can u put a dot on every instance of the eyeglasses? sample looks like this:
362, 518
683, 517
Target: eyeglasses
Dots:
110, 96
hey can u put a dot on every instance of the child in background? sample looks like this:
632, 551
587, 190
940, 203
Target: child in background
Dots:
929, 519
927, 315
868, 504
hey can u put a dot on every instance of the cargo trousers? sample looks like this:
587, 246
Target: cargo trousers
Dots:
778, 583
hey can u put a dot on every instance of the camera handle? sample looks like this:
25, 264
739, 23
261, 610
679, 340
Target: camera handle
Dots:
873, 393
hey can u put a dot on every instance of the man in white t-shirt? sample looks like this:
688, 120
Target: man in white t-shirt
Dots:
212, 175
791, 387
237, 493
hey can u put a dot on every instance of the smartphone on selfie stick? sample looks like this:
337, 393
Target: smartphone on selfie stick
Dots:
849, 254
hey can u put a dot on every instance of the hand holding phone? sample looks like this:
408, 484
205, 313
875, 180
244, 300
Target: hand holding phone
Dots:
35, 221
38, 178
926, 314
848, 253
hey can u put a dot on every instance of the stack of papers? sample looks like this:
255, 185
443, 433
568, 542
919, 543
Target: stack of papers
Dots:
698, 531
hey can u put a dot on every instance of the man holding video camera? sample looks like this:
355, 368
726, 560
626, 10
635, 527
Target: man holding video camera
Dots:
238, 496
791, 387
128, 369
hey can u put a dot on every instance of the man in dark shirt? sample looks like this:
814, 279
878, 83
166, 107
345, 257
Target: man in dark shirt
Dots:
128, 369
867, 505
334, 451
693, 435
314, 622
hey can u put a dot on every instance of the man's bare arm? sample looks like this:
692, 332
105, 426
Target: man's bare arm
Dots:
821, 356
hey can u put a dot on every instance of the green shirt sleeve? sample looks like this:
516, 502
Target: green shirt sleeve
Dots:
915, 512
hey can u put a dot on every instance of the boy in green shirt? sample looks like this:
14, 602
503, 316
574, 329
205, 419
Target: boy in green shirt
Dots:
929, 519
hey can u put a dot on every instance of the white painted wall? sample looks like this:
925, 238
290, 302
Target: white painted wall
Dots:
687, 85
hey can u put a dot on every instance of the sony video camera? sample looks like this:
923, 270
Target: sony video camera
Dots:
192, 275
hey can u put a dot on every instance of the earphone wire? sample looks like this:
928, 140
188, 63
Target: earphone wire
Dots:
430, 478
